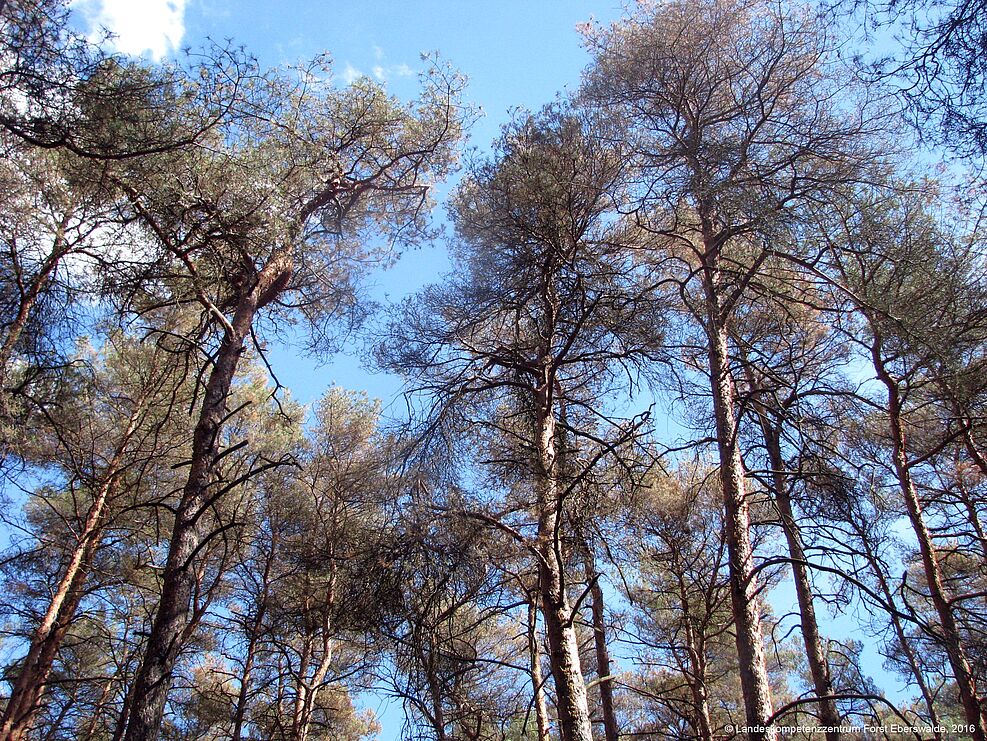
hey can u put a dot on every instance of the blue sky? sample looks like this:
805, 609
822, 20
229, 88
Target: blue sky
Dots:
515, 54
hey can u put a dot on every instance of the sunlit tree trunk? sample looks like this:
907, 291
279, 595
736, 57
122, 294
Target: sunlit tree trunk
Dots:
29, 687
30, 293
604, 680
570, 687
950, 634
743, 581
94, 720
173, 621
904, 643
537, 681
308, 687
253, 641
695, 674
815, 655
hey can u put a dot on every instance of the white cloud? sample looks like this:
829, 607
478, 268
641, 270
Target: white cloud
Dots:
350, 74
155, 26
381, 71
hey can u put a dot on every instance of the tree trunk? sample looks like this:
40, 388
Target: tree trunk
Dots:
604, 679
435, 691
743, 581
972, 516
899, 629
94, 721
952, 643
29, 297
173, 621
30, 686
971, 447
256, 630
26, 694
695, 675
570, 688
128, 698
822, 683
243, 693
537, 681
308, 692
308, 689
965, 421
301, 686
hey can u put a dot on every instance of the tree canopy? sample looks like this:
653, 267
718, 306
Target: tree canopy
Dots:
693, 440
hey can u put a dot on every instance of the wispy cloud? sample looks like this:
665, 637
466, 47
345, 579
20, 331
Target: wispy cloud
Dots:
381, 71
154, 26
350, 74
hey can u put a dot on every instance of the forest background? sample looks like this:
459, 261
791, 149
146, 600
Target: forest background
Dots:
204, 541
